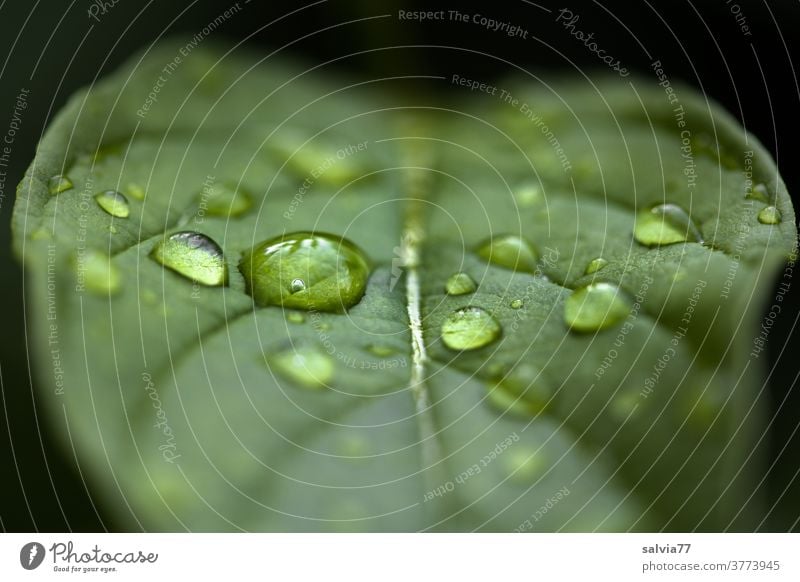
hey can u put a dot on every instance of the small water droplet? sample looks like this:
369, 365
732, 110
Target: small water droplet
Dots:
226, 201
509, 251
595, 265
332, 270
769, 215
113, 203
460, 284
517, 304
58, 184
100, 274
295, 317
317, 160
469, 328
135, 191
665, 224
524, 465
41, 234
381, 351
759, 192
193, 255
305, 366
595, 306
528, 195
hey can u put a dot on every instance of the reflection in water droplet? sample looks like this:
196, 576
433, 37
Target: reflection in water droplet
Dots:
517, 304
595, 265
113, 203
759, 192
595, 306
135, 191
469, 328
509, 251
98, 273
226, 201
769, 215
332, 270
193, 255
665, 224
460, 284
58, 184
295, 317
306, 366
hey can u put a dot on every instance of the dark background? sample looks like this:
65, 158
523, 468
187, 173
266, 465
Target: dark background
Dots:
53, 48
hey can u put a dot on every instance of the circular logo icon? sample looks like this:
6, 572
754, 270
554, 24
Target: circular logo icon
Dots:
31, 555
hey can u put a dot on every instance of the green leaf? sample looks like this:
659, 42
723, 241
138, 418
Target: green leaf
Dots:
189, 407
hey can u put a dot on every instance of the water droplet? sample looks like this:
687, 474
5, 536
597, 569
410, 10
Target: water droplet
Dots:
460, 284
295, 317
135, 191
509, 251
224, 200
112, 229
469, 328
381, 351
41, 234
318, 161
308, 367
193, 255
58, 184
595, 306
595, 265
517, 304
113, 203
759, 192
665, 224
769, 215
524, 465
528, 195
100, 275
304, 270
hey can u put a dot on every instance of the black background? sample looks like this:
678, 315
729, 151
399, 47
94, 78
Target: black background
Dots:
53, 48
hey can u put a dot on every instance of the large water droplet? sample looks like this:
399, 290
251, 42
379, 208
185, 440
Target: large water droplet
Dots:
469, 328
516, 303
595, 306
114, 203
595, 265
304, 270
665, 224
223, 200
306, 366
193, 255
100, 274
509, 251
769, 215
58, 184
460, 284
